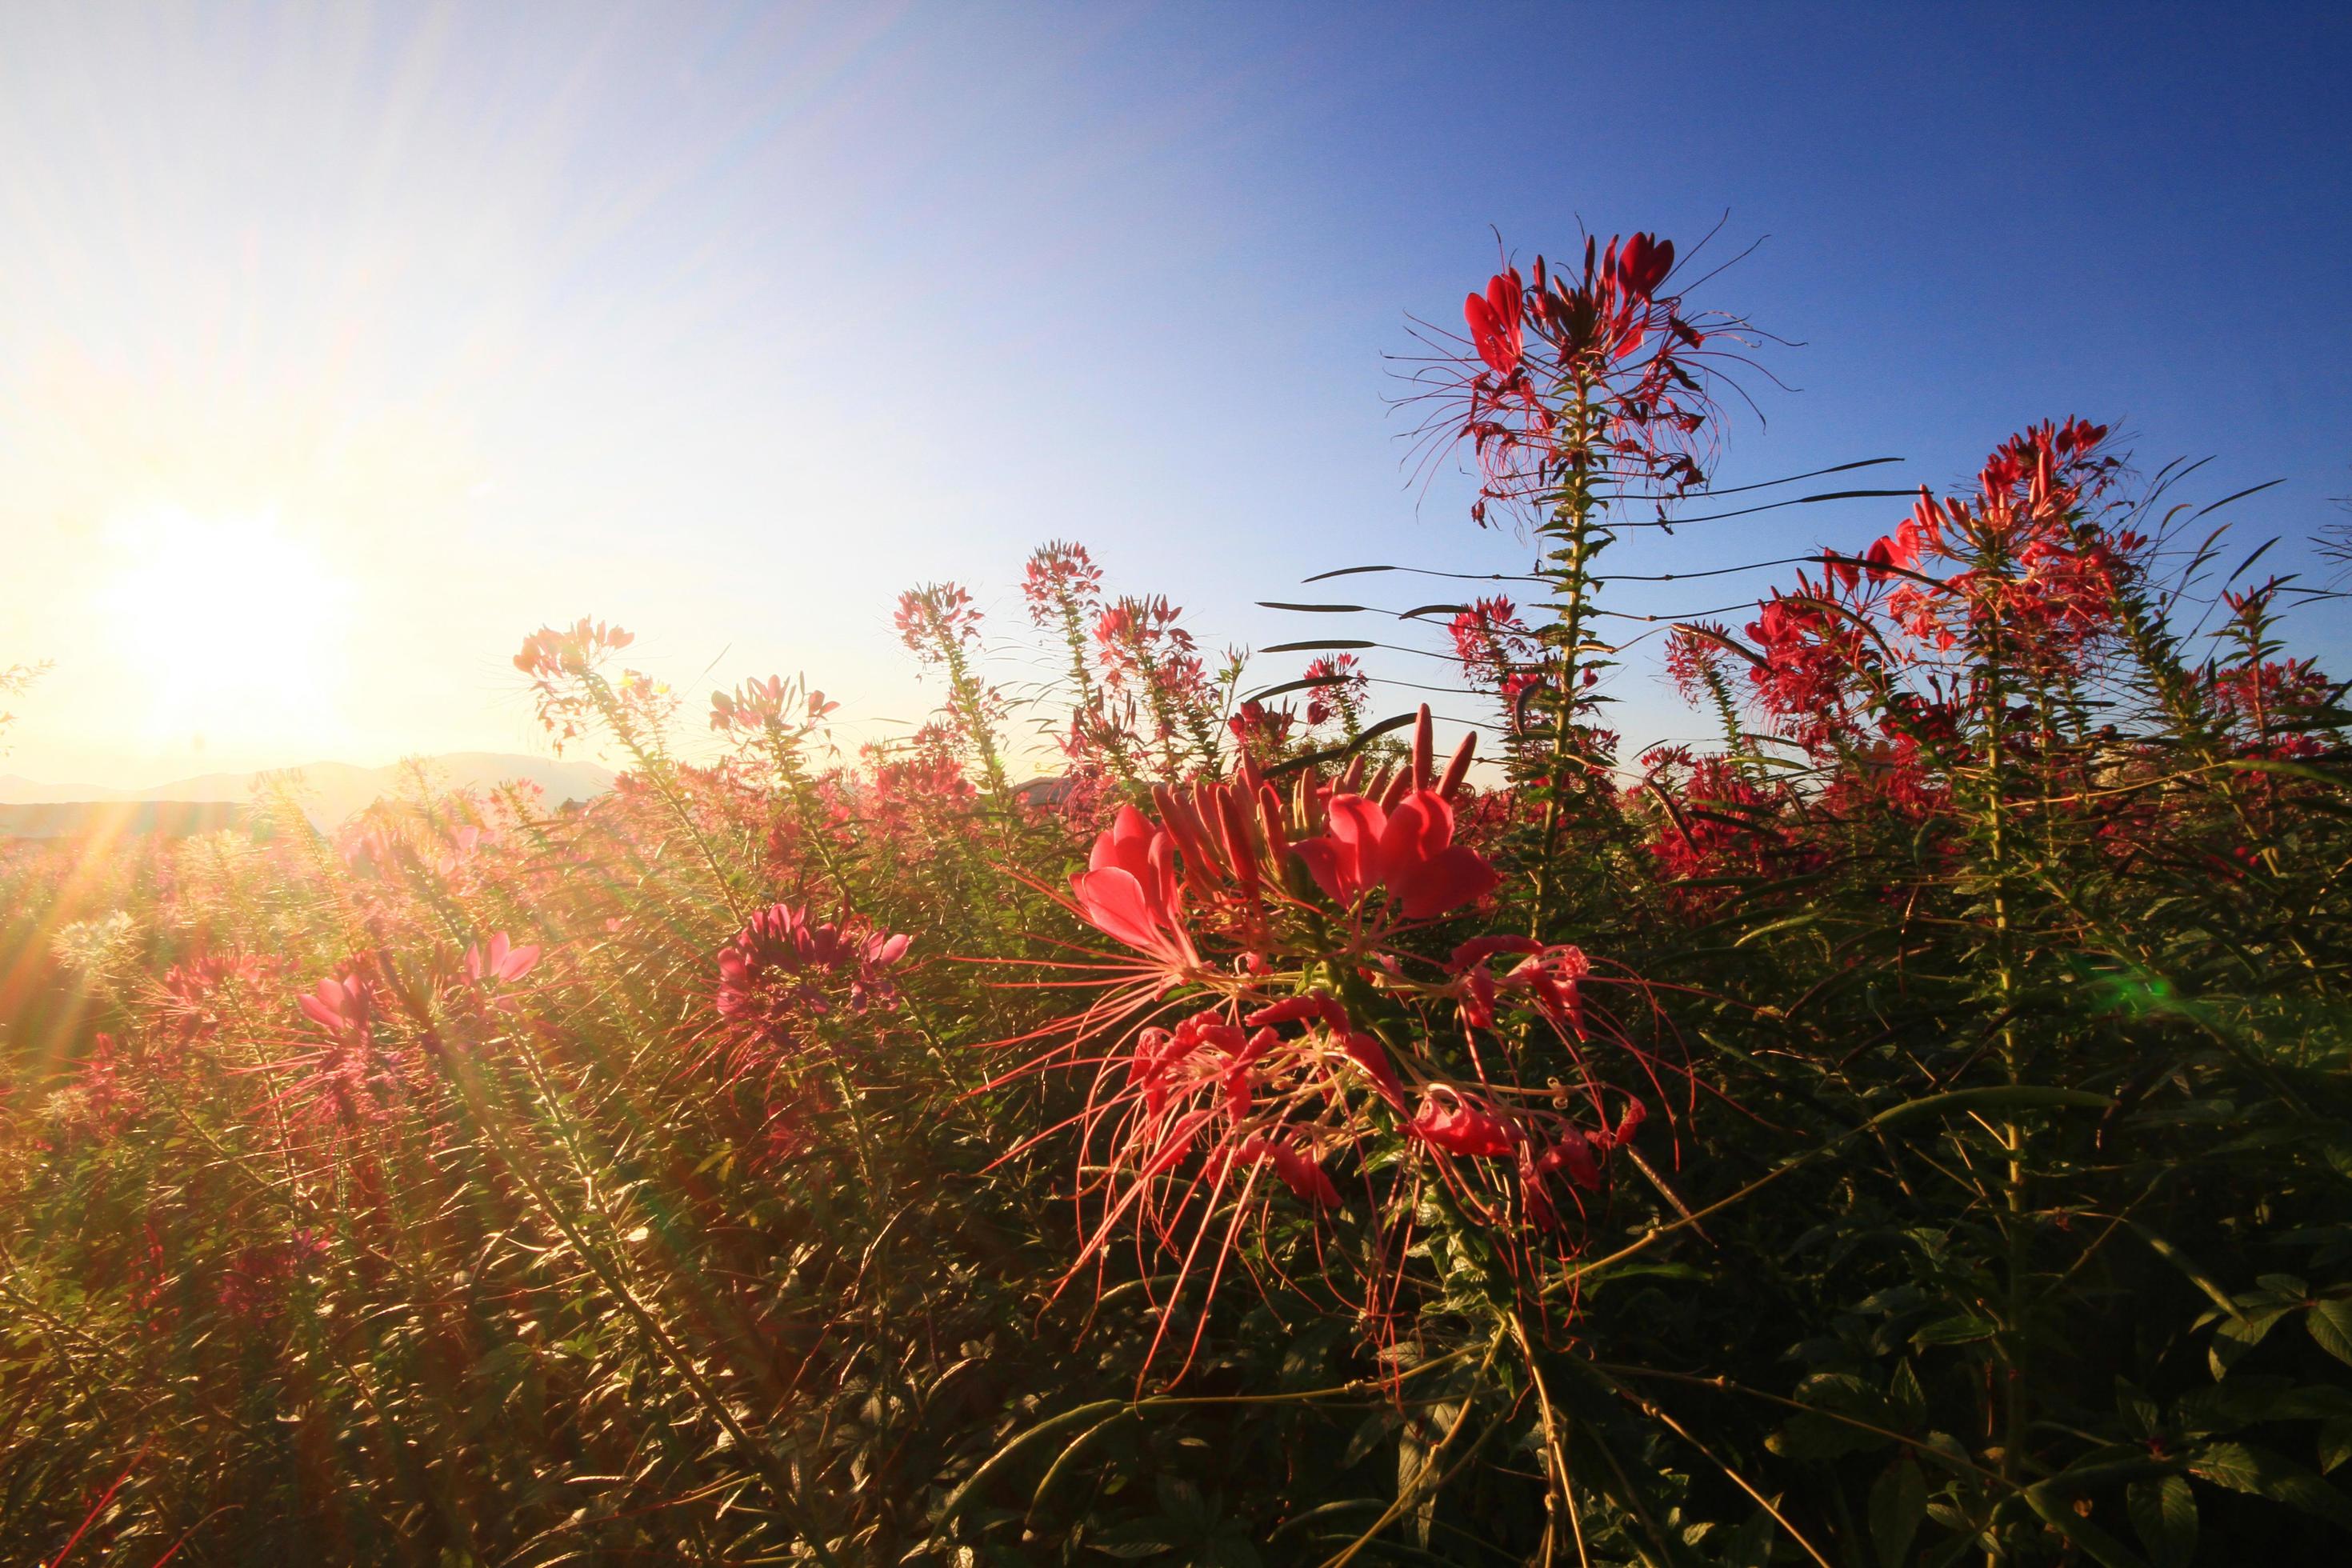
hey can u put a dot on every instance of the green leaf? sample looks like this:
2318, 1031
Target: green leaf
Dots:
1958, 1330
1898, 1502
2334, 1443
2164, 1513
1135, 1539
2242, 1467
2236, 1336
2329, 1323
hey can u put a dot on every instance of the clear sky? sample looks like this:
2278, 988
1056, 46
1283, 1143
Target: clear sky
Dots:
340, 347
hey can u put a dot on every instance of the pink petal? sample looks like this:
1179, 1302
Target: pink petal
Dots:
1324, 863
1369, 1054
1112, 901
1420, 826
1456, 877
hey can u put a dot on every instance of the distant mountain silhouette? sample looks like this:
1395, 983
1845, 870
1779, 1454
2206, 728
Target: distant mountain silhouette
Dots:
332, 792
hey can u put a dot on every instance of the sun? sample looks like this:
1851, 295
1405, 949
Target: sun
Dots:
233, 626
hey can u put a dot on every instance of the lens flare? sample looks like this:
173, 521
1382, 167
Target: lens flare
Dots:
235, 628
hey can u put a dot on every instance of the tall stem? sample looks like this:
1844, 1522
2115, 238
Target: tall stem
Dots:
1576, 539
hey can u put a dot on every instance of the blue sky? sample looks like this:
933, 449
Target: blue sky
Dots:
730, 323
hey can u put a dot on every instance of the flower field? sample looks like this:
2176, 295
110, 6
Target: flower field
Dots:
1913, 1128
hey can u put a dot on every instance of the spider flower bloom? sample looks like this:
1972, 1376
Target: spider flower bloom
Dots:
341, 1008
1447, 1121
1337, 686
1260, 730
1301, 1174
1494, 321
1063, 579
773, 972
1601, 371
499, 960
1410, 850
1129, 890
548, 653
935, 617
776, 703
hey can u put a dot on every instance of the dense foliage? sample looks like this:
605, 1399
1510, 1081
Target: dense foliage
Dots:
1913, 1131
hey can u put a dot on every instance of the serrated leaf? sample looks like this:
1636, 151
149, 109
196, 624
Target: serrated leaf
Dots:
1898, 1503
2242, 1467
1130, 1542
1963, 1328
2334, 1443
2236, 1336
2164, 1513
2329, 1323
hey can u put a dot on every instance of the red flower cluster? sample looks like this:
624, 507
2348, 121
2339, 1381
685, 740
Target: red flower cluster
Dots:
935, 616
1311, 1051
1496, 651
783, 968
351, 1076
1235, 842
1410, 852
1296, 1085
776, 703
2033, 562
548, 653
1260, 731
1336, 690
1062, 578
1718, 825
1589, 372
564, 665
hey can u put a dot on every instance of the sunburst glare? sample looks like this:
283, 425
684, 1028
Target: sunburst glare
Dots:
235, 623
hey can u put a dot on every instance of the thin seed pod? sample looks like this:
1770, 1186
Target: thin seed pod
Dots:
1246, 771
1184, 826
1305, 801
1458, 767
1234, 821
1277, 838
